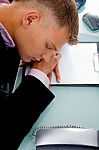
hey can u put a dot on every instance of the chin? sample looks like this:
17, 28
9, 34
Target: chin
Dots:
26, 60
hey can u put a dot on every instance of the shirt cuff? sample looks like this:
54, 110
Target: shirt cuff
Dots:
40, 76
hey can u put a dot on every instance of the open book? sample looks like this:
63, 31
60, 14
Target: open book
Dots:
77, 64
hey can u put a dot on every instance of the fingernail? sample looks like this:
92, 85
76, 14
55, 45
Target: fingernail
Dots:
59, 80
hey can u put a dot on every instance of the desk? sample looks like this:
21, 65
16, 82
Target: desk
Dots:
72, 105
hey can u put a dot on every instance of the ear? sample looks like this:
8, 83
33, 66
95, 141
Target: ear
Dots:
30, 17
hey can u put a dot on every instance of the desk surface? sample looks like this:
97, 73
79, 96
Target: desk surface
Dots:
72, 105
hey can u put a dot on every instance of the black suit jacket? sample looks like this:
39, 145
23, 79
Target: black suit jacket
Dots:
20, 110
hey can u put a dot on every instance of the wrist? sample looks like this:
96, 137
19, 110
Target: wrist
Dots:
40, 76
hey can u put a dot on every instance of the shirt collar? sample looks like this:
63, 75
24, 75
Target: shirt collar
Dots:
4, 1
6, 36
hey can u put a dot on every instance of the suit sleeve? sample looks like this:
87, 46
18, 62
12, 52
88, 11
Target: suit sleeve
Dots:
24, 107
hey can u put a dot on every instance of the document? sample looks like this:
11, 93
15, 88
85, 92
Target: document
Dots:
77, 64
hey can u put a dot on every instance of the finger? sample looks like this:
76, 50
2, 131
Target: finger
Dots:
58, 56
57, 73
50, 76
47, 56
55, 56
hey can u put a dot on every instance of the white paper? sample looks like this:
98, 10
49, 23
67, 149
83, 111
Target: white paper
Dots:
76, 65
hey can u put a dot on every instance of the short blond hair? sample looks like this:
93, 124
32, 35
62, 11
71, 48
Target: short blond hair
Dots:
65, 13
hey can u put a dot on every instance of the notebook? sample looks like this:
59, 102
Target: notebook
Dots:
78, 65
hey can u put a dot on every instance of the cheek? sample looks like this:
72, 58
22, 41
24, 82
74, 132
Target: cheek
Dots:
39, 48
38, 53
35, 46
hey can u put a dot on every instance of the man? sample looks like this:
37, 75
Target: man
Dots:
31, 31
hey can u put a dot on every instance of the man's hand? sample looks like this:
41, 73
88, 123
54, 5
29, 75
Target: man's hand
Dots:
57, 73
48, 65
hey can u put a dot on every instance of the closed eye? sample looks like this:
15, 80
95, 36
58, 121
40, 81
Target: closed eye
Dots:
48, 46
